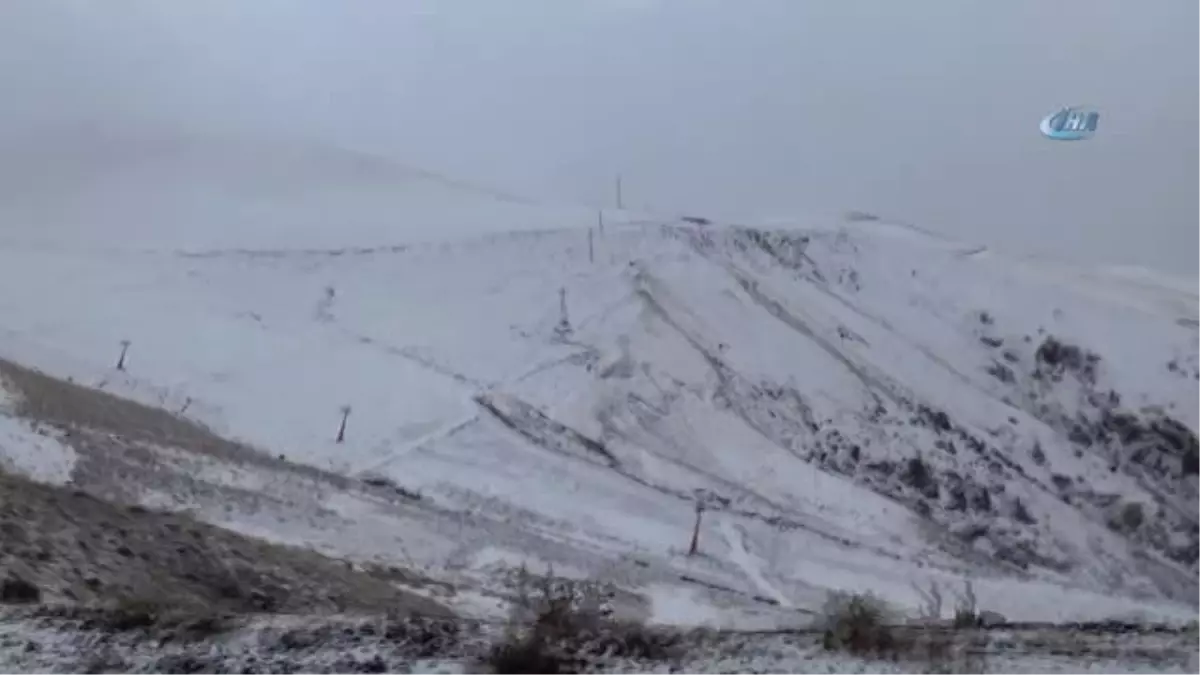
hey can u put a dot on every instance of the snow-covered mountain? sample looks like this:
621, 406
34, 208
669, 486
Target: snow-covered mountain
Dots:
859, 405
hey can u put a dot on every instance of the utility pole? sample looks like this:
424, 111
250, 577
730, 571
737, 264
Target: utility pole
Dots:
124, 349
696, 529
620, 202
591, 249
341, 434
600, 221
563, 329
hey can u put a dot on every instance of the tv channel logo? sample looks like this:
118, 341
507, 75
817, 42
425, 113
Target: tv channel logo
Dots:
1073, 123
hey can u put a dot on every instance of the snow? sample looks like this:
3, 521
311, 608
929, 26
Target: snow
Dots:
25, 451
675, 607
262, 303
338, 642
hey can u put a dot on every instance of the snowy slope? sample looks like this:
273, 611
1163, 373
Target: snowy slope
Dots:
862, 407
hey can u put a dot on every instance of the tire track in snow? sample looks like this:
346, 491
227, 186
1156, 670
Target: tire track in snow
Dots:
577, 358
893, 389
553, 436
899, 394
871, 382
394, 453
736, 538
410, 354
925, 351
391, 453
650, 290
544, 431
742, 493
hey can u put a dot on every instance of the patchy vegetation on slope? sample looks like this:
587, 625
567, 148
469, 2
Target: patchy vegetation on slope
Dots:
563, 625
116, 579
91, 419
67, 546
986, 487
98, 565
40, 641
1157, 450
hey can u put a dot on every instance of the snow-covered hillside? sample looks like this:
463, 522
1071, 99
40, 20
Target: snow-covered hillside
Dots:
860, 407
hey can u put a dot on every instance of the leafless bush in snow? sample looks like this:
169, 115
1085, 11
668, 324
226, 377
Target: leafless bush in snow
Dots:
557, 624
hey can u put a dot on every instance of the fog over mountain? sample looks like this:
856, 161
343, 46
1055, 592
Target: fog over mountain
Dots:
925, 112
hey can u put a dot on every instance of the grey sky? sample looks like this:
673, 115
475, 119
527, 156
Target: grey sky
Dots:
925, 111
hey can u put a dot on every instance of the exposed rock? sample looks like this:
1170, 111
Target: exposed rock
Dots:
15, 590
1058, 357
1002, 372
918, 476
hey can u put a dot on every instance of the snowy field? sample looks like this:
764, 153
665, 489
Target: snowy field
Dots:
861, 406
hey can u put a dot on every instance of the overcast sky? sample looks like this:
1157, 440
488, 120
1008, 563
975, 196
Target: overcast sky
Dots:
925, 111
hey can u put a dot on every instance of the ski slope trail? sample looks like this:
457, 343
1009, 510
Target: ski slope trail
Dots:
864, 408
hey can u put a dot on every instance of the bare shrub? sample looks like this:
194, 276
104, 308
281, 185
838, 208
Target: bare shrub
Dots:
1128, 518
931, 602
102, 659
134, 612
556, 624
163, 615
422, 637
557, 605
863, 625
527, 655
16, 590
966, 613
857, 623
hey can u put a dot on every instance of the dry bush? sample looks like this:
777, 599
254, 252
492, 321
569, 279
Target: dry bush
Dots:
164, 618
931, 602
858, 623
16, 590
528, 655
161, 614
422, 637
863, 625
558, 606
557, 624
966, 614
1128, 517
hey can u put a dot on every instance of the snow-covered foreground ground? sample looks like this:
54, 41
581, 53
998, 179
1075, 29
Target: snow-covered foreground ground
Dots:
358, 644
863, 407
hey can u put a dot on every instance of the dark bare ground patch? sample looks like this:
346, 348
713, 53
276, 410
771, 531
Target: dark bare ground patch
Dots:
79, 410
137, 568
75, 548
